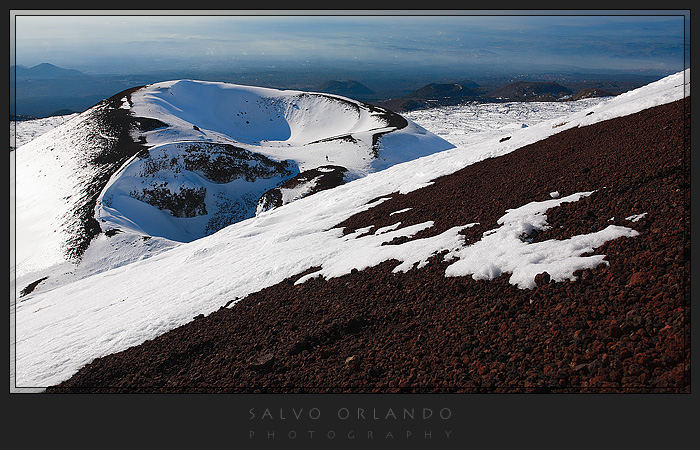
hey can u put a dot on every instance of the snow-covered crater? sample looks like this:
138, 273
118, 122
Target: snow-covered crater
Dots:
225, 145
149, 162
312, 129
185, 191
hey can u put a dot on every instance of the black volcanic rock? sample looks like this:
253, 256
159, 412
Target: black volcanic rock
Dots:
524, 91
31, 286
307, 182
184, 202
111, 130
222, 163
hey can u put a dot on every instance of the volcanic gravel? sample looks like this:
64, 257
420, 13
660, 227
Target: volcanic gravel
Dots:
618, 328
107, 118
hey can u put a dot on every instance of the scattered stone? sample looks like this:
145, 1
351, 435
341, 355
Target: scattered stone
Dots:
263, 363
638, 278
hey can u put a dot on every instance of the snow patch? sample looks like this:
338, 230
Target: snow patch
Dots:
24, 131
387, 228
636, 217
298, 191
367, 251
400, 211
473, 122
506, 249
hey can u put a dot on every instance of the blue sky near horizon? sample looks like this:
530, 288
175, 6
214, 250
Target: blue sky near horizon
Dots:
130, 44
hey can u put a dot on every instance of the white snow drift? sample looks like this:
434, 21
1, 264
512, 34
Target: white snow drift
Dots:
502, 250
23, 131
505, 250
61, 330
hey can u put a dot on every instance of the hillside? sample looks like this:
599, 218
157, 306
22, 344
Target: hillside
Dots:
434, 94
355, 235
44, 71
349, 88
446, 90
622, 324
590, 93
450, 94
531, 91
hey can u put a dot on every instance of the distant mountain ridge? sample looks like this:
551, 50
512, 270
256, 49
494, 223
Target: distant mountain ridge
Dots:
45, 70
529, 90
447, 90
590, 93
349, 88
449, 94
47, 90
435, 94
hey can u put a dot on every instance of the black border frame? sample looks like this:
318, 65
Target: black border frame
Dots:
559, 419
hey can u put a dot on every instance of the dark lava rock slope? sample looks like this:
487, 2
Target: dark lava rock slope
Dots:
624, 327
109, 129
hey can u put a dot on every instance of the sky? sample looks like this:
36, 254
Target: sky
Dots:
123, 43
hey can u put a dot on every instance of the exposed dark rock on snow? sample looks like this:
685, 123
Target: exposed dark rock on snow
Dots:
110, 132
222, 163
302, 185
216, 162
31, 286
183, 202
391, 119
623, 327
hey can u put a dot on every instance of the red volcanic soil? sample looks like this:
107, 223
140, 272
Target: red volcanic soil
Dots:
618, 328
